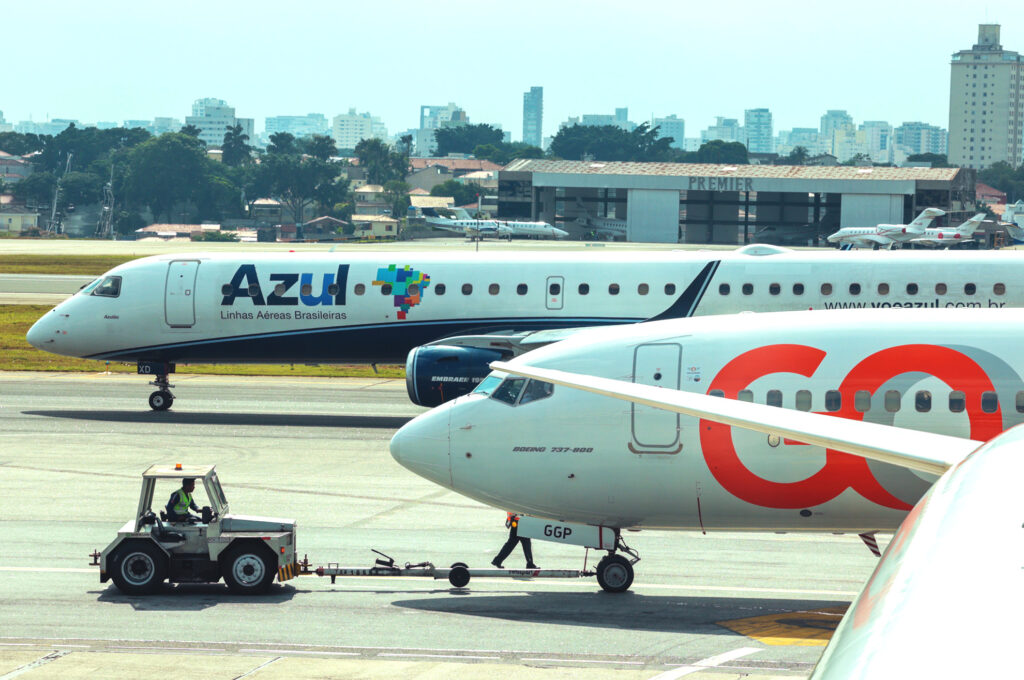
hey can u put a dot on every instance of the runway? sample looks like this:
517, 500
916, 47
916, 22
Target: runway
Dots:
72, 449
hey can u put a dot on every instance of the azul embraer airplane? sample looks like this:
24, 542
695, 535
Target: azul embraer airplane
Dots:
956, 556
454, 313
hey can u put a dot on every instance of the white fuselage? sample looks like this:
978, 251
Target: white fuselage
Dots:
581, 457
375, 307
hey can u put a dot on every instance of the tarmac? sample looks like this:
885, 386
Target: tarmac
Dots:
73, 447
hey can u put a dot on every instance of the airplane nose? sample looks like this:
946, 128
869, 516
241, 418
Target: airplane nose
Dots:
42, 333
422, 445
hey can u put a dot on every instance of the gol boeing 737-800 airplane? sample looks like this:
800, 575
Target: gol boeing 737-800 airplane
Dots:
581, 457
451, 314
955, 557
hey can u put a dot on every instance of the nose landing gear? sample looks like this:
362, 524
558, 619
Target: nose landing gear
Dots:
615, 571
162, 399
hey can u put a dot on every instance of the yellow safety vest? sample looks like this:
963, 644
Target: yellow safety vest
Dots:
184, 502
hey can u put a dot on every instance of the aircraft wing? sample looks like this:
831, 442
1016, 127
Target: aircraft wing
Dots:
922, 451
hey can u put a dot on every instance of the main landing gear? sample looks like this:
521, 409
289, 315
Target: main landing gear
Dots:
162, 399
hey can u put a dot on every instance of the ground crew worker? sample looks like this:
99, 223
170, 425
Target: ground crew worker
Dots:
512, 522
181, 502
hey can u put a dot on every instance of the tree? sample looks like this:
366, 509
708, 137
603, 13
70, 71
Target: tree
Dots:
80, 188
36, 188
18, 144
319, 146
938, 160
300, 182
798, 156
1004, 177
381, 163
611, 143
463, 194
165, 170
719, 151
465, 138
235, 150
191, 131
396, 193
282, 143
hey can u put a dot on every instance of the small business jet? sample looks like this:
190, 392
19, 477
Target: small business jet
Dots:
1013, 220
472, 228
606, 227
884, 235
448, 315
944, 238
953, 562
947, 379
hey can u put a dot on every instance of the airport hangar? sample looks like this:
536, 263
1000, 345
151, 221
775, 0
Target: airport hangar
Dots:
711, 203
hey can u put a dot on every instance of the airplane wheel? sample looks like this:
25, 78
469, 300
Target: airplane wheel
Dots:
615, 574
160, 400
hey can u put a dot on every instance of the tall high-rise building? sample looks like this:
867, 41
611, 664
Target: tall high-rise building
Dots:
213, 117
298, 126
671, 126
834, 120
915, 137
433, 117
726, 129
348, 129
533, 116
879, 140
757, 124
986, 103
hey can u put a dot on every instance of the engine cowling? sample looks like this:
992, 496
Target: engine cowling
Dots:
438, 373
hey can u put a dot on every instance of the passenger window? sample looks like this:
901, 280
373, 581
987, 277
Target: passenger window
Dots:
717, 393
748, 289
227, 289
1020, 402
584, 288
642, 289
110, 286
413, 289
555, 289
803, 400
854, 289
613, 289
745, 395
306, 289
521, 289
923, 401
826, 289
798, 289
670, 289
467, 289
279, 290
773, 398
494, 289
724, 289
833, 400
970, 289
508, 391
999, 289
883, 289
254, 290
989, 402
940, 289
957, 401
911, 289
334, 288
774, 289
862, 401
535, 391
892, 401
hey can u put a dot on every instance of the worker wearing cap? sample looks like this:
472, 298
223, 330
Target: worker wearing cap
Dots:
181, 502
512, 522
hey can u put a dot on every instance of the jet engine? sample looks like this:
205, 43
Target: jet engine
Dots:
435, 374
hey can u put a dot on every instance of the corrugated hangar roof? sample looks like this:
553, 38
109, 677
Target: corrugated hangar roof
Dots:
842, 172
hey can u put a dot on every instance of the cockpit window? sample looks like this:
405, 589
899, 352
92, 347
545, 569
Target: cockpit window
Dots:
87, 288
508, 391
488, 384
110, 286
535, 391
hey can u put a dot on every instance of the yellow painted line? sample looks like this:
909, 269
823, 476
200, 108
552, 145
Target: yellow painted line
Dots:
802, 628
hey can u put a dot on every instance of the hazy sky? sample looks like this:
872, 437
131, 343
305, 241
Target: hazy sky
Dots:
115, 60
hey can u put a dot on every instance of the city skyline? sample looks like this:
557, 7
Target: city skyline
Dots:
651, 71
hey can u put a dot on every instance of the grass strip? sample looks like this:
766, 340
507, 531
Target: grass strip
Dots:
85, 265
17, 355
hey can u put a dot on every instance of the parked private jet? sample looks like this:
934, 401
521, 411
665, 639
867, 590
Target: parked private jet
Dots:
464, 223
954, 376
944, 238
884, 235
1013, 219
450, 314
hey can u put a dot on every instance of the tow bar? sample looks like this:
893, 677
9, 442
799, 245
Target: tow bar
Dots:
458, 574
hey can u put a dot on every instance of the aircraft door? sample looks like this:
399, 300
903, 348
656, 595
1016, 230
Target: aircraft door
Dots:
656, 430
179, 298
555, 290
